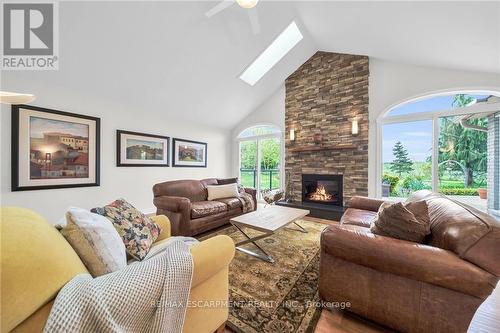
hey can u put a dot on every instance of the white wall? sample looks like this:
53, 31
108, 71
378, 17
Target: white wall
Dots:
390, 84
271, 112
132, 183
393, 83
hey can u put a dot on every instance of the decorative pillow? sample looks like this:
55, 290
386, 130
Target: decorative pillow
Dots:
222, 191
95, 240
136, 229
409, 222
225, 181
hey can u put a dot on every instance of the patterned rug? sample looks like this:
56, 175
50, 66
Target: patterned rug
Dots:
279, 297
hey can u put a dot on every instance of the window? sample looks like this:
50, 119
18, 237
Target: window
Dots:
259, 131
272, 54
462, 156
437, 143
260, 157
407, 158
437, 103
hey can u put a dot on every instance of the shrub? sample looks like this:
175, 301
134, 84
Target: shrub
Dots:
451, 185
414, 183
391, 180
459, 191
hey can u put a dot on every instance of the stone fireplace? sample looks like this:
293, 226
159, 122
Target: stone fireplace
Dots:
323, 97
322, 189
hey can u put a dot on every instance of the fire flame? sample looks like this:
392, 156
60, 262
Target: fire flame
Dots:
321, 194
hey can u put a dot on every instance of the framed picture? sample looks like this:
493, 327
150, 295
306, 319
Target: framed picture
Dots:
188, 153
140, 149
53, 149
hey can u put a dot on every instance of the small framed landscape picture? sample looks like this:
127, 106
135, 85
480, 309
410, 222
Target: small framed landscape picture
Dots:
141, 150
53, 149
188, 153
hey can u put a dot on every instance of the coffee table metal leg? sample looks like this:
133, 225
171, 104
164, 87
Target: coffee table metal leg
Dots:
300, 227
264, 256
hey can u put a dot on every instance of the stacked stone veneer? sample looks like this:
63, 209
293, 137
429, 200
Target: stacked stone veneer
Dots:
494, 162
323, 96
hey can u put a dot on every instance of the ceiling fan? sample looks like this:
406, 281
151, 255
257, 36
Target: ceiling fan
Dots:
247, 4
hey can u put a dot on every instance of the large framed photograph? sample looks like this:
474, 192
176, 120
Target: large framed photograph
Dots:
188, 153
53, 149
140, 149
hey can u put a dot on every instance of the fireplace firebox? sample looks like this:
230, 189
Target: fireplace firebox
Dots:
322, 189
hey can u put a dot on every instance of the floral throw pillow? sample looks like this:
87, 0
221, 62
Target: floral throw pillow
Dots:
136, 229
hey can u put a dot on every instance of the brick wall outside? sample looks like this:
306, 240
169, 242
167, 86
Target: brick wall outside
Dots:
494, 162
323, 96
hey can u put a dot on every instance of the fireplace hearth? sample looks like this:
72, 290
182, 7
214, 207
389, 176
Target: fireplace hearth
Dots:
322, 189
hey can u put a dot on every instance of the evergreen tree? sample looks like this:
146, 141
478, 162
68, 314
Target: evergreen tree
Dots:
401, 163
464, 145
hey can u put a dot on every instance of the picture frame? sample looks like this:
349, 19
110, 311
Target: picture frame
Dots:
53, 149
136, 149
188, 153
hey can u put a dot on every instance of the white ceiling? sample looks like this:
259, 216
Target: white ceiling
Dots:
168, 57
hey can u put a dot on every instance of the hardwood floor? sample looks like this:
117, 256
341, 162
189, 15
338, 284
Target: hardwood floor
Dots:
486, 319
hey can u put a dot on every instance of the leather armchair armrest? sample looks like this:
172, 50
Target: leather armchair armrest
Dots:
210, 256
414, 261
173, 204
165, 226
365, 203
178, 210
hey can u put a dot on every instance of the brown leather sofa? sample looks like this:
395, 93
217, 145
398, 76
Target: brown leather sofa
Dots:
186, 205
410, 287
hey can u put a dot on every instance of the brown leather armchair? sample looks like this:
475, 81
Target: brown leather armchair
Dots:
411, 287
186, 205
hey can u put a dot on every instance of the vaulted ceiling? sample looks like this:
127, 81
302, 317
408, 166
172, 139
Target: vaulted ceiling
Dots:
169, 57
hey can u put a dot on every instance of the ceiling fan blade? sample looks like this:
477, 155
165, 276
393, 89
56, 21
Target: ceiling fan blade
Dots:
219, 7
253, 15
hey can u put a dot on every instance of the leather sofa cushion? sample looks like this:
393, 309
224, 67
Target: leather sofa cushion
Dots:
365, 203
360, 217
225, 181
194, 190
209, 181
232, 203
471, 234
205, 208
408, 259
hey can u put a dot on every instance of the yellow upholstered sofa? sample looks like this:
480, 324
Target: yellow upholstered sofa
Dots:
36, 262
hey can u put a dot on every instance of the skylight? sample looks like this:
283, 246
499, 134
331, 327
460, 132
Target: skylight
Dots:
272, 54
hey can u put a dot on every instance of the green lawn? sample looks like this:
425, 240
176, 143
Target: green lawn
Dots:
247, 179
453, 183
421, 178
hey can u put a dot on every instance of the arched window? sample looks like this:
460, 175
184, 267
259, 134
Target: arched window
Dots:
437, 142
437, 103
259, 130
260, 157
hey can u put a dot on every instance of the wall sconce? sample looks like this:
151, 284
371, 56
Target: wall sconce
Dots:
292, 135
7, 97
355, 127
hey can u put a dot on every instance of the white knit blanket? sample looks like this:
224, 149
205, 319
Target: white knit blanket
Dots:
150, 296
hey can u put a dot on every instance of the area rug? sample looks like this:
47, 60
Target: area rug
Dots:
279, 297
